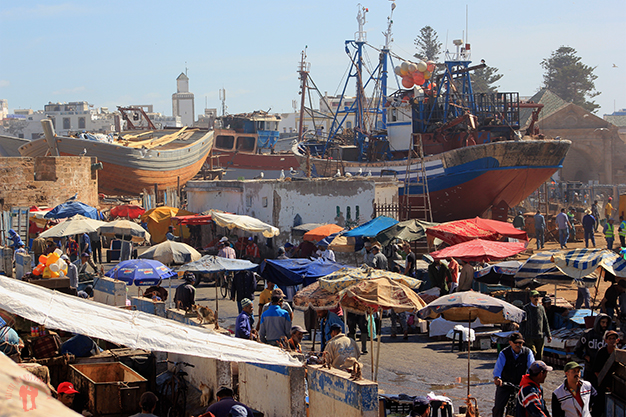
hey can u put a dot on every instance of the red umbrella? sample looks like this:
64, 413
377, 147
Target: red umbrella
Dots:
469, 229
479, 250
127, 210
321, 232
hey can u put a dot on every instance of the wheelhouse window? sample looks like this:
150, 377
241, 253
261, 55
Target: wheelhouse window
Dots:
245, 143
225, 142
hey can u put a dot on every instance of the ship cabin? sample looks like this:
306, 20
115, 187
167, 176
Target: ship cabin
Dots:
249, 133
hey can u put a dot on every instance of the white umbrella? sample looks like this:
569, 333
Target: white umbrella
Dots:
170, 252
242, 222
75, 225
125, 228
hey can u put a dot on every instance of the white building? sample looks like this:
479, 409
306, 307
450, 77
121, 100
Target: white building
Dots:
67, 118
4, 108
183, 101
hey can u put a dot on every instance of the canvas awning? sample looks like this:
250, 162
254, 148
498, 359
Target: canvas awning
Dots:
479, 250
160, 218
211, 263
371, 228
134, 329
408, 231
464, 230
193, 220
75, 225
297, 271
247, 223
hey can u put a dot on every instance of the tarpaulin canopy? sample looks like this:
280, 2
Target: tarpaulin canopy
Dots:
131, 211
380, 294
615, 264
540, 270
196, 220
170, 252
578, 263
15, 379
502, 273
303, 228
371, 228
479, 250
464, 230
160, 218
345, 277
343, 243
315, 297
71, 208
297, 271
211, 263
125, 228
321, 232
408, 231
134, 329
75, 225
247, 223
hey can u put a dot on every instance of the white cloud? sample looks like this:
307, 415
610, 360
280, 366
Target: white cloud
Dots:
4, 83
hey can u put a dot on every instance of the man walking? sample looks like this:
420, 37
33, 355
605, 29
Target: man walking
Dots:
540, 229
596, 214
530, 401
563, 224
519, 222
535, 326
589, 224
512, 364
574, 397
275, 323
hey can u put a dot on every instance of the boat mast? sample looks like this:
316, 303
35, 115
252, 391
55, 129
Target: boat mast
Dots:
360, 38
304, 75
383, 58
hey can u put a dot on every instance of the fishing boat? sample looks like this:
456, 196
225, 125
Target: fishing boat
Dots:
462, 150
244, 147
135, 160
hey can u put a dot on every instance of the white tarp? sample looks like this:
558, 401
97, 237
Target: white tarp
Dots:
134, 329
25, 395
247, 223
75, 225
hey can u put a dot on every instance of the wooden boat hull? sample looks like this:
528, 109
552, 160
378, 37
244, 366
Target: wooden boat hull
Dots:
465, 182
128, 171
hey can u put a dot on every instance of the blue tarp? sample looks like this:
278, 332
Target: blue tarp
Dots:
371, 228
285, 272
71, 208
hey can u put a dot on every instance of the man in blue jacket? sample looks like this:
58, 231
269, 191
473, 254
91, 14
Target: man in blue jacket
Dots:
275, 323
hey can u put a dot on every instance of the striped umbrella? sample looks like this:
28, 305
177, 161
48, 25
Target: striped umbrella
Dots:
579, 263
615, 264
540, 269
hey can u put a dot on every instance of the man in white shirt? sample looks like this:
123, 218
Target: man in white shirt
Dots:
564, 226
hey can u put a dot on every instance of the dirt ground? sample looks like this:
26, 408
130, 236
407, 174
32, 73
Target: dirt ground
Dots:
420, 364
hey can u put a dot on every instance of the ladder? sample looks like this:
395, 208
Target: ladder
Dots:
417, 206
543, 202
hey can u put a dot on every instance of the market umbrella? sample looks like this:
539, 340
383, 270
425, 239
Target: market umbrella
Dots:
211, 263
250, 224
141, 272
479, 250
408, 231
75, 225
369, 296
170, 252
502, 273
578, 263
345, 277
71, 208
540, 270
301, 229
467, 306
615, 264
321, 232
125, 228
315, 297
131, 211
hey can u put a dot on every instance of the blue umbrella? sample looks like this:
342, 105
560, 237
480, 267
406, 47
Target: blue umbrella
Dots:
141, 272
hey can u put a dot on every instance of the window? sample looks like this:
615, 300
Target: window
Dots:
349, 124
245, 143
81, 122
66, 123
225, 142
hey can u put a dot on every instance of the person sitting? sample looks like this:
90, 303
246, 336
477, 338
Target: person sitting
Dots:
295, 342
224, 404
66, 394
81, 264
185, 295
326, 320
340, 347
170, 234
147, 403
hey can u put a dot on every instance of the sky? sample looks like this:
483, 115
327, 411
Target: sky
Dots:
117, 53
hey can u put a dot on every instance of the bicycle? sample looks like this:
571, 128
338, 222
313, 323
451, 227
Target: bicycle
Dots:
225, 283
173, 390
511, 404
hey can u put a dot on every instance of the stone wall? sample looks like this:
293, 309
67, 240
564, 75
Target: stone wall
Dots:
47, 181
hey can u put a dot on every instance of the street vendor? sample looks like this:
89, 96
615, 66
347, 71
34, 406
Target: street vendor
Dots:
295, 341
244, 321
326, 320
340, 347
185, 295
81, 264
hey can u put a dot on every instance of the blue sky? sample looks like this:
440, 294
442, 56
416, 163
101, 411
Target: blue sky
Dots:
112, 52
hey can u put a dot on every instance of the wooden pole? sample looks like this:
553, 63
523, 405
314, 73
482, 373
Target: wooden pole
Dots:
469, 344
370, 320
377, 357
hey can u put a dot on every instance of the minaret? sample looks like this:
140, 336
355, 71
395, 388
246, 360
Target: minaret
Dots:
182, 101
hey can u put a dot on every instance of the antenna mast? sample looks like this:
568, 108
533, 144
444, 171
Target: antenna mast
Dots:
223, 100
304, 75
